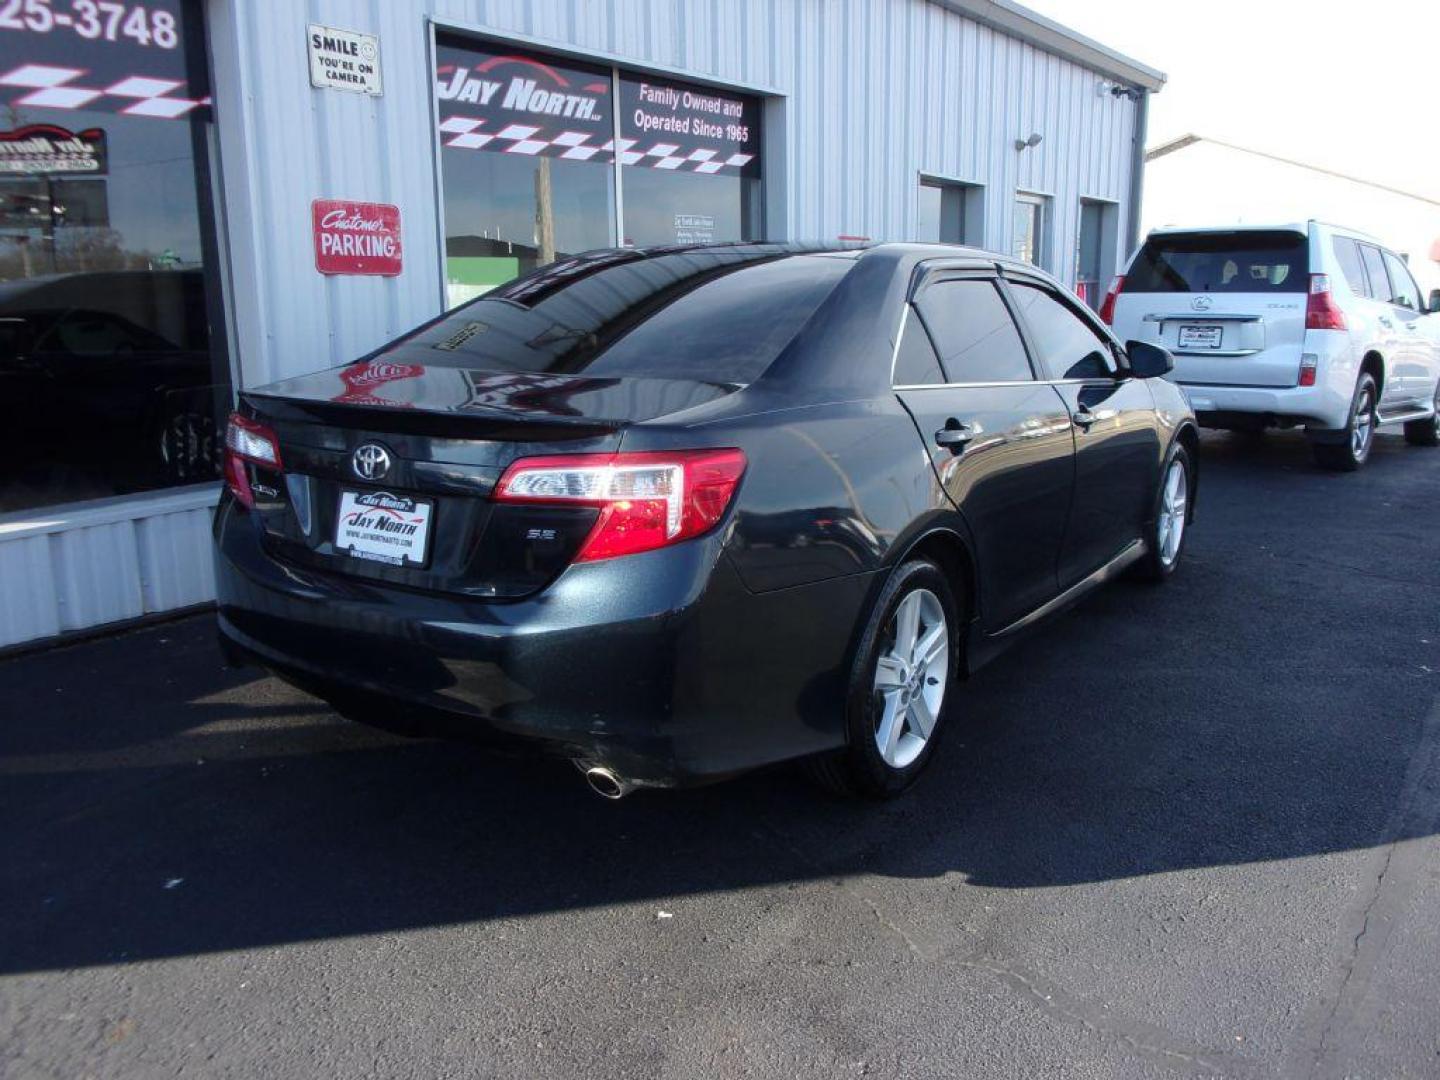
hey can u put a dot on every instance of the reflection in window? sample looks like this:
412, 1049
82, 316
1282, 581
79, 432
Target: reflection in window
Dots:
107, 382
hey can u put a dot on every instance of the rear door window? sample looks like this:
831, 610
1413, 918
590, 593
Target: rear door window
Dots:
1375, 268
974, 333
1407, 293
1352, 266
1229, 262
1070, 348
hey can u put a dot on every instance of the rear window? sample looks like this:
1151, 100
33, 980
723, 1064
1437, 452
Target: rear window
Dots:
711, 315
1238, 262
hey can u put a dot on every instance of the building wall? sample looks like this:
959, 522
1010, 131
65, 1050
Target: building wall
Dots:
871, 93
863, 96
1209, 183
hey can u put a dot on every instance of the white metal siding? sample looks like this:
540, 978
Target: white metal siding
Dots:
872, 94
74, 567
877, 91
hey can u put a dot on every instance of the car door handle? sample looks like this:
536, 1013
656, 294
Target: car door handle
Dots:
1411, 325
954, 436
1084, 418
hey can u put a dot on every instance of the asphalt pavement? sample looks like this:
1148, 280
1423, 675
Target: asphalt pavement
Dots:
1183, 831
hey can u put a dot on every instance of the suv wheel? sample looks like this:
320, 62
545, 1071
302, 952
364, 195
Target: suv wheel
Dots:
899, 688
1352, 452
1425, 432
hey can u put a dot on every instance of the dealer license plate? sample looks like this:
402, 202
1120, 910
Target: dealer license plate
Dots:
383, 527
1201, 337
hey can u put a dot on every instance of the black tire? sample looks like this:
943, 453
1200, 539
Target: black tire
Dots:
1353, 451
1160, 563
860, 770
1425, 432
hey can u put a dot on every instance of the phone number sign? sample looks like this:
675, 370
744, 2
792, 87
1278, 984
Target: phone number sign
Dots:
97, 55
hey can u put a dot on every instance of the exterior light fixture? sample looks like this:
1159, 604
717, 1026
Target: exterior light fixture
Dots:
1034, 140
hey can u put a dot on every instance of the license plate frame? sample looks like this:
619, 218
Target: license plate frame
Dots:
1208, 336
384, 541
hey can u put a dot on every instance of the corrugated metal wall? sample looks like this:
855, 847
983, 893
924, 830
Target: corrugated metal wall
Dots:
877, 91
104, 562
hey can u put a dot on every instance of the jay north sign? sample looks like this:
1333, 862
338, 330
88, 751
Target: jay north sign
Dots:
509, 101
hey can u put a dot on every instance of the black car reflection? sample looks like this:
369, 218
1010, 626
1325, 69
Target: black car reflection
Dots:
106, 385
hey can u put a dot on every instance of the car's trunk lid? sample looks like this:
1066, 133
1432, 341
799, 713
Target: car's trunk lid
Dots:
445, 435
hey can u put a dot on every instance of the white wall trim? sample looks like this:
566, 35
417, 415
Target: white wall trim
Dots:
84, 515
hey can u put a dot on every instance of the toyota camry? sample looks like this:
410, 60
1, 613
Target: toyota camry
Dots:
678, 513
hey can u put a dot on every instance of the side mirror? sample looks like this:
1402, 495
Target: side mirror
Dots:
1148, 360
1434, 301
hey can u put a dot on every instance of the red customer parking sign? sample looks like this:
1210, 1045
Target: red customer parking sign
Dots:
356, 237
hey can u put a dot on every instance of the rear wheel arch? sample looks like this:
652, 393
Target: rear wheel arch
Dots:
1189, 437
1373, 364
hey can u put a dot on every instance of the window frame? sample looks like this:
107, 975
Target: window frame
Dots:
1386, 256
775, 121
931, 276
1083, 313
1389, 297
1364, 291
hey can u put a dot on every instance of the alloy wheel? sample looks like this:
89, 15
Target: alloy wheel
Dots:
910, 678
1363, 429
1174, 498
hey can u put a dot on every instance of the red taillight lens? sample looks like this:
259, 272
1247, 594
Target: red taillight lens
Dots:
646, 500
1309, 362
246, 440
1107, 306
1321, 311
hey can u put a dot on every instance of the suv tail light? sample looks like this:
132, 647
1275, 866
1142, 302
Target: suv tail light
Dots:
1309, 363
646, 500
1107, 306
1321, 311
246, 440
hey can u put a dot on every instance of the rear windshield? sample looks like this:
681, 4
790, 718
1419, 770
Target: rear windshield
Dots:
711, 315
1238, 262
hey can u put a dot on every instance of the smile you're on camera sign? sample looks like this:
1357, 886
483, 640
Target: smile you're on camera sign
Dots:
344, 60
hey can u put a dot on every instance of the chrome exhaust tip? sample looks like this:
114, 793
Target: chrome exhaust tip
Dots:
606, 784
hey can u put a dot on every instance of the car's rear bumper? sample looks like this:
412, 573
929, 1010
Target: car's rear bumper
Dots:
661, 666
1317, 406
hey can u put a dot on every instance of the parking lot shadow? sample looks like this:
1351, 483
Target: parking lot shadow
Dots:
1265, 705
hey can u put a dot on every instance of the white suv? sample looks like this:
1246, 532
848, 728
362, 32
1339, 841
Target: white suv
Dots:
1288, 325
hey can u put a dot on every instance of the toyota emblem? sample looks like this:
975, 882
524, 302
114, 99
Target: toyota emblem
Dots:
1201, 303
371, 461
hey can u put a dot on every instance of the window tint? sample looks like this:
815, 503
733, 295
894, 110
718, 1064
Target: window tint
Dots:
1221, 262
1379, 282
1069, 347
1407, 293
712, 314
916, 363
1347, 254
974, 332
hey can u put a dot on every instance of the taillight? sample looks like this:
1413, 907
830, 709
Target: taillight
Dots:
1321, 311
1107, 306
246, 440
1309, 363
646, 500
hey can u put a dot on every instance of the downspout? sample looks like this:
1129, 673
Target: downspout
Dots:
1137, 172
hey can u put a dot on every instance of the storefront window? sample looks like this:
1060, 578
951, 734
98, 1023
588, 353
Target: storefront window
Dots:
692, 163
108, 381
528, 162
